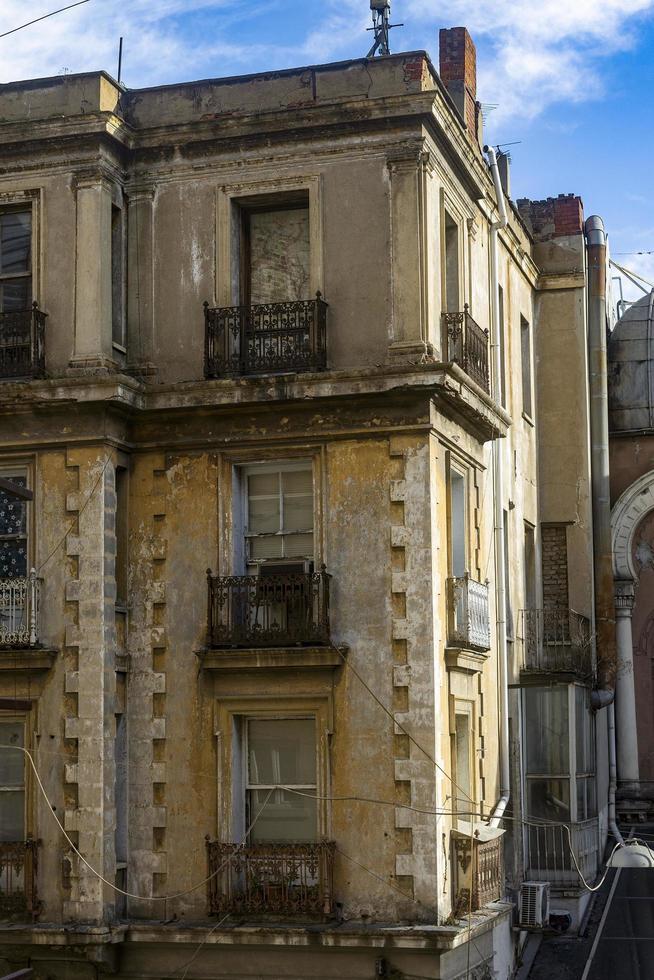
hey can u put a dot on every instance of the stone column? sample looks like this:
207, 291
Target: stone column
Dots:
627, 741
93, 348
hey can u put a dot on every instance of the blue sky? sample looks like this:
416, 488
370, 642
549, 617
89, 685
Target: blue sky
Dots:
573, 79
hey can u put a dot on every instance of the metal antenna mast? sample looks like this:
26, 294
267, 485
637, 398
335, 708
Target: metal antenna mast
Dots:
381, 25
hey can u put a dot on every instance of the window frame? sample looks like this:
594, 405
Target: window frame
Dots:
527, 368
11, 715
29, 200
460, 707
279, 467
457, 469
119, 205
23, 468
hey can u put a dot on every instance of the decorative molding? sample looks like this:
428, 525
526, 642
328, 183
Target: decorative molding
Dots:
636, 501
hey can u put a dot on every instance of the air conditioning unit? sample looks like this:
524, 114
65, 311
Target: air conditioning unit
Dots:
534, 904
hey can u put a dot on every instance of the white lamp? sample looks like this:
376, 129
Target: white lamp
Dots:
631, 854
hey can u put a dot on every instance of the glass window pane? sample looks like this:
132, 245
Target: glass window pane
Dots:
12, 764
586, 804
12, 815
266, 484
297, 481
15, 241
546, 724
285, 816
298, 513
549, 798
13, 559
263, 514
282, 751
16, 295
298, 545
12, 510
268, 547
584, 730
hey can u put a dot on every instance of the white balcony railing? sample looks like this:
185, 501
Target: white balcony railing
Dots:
19, 611
468, 616
549, 856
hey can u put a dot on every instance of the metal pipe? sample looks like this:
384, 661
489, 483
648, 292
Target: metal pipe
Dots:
500, 564
601, 491
613, 775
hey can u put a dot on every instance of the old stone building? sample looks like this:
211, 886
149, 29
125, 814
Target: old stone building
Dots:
287, 328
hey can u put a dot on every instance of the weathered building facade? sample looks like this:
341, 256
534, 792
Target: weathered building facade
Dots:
266, 342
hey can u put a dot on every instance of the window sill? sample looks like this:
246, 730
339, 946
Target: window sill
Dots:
119, 347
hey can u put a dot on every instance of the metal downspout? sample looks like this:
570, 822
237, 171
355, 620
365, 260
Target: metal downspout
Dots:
500, 564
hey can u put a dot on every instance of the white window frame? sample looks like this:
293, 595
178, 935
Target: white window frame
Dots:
464, 708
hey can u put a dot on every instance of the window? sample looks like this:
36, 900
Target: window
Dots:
501, 340
507, 579
12, 780
122, 500
275, 251
452, 302
15, 259
525, 347
458, 523
560, 755
463, 759
530, 566
279, 515
13, 529
281, 750
118, 276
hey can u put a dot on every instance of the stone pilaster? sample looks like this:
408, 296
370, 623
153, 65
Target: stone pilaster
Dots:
625, 707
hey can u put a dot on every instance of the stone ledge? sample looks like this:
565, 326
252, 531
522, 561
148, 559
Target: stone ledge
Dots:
467, 661
31, 659
309, 658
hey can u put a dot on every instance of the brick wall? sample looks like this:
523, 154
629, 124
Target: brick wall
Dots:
555, 566
553, 217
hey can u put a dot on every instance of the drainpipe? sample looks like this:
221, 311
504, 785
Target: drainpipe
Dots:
604, 695
613, 775
500, 565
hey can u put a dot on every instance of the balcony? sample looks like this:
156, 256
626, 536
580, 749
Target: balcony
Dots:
466, 344
22, 344
468, 615
18, 865
556, 641
549, 858
269, 339
294, 879
268, 610
19, 611
479, 870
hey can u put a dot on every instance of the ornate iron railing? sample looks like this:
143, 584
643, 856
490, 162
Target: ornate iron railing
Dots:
18, 866
479, 867
273, 337
271, 878
549, 856
22, 344
466, 344
468, 615
19, 611
556, 640
268, 610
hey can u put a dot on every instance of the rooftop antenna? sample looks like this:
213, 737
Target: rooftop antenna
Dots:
381, 25
120, 58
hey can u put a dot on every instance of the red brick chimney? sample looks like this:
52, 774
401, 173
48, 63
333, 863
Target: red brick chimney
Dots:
458, 71
554, 217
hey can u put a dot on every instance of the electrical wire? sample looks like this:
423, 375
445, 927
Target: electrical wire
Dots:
43, 17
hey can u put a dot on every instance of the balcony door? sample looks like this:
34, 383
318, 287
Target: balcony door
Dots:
275, 252
13, 560
15, 259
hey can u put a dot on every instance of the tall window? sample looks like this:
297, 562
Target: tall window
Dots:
15, 259
452, 302
458, 523
501, 341
118, 276
275, 251
13, 530
279, 515
525, 347
530, 566
507, 583
12, 780
463, 759
281, 751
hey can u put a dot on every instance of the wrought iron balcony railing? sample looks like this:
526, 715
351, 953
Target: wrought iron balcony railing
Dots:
479, 868
466, 344
22, 344
548, 852
271, 879
556, 641
274, 337
18, 865
468, 615
268, 610
19, 611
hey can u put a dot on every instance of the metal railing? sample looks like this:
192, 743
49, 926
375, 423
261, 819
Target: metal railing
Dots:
268, 610
548, 856
19, 610
556, 640
264, 339
271, 878
466, 344
479, 866
468, 614
22, 344
18, 867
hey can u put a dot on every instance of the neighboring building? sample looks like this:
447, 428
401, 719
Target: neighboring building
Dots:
328, 436
632, 494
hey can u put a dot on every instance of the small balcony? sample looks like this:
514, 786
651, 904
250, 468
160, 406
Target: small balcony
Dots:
289, 879
556, 641
270, 339
468, 614
549, 856
18, 865
466, 344
268, 610
22, 344
19, 611
479, 871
